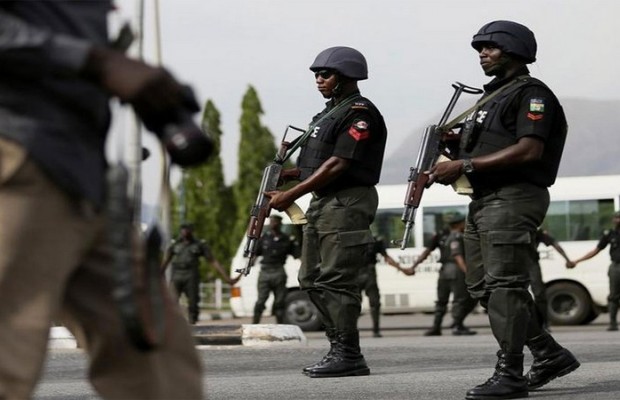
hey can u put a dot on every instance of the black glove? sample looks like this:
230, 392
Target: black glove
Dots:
160, 101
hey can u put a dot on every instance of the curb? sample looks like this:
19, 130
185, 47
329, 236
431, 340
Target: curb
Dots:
249, 335
216, 316
61, 338
214, 335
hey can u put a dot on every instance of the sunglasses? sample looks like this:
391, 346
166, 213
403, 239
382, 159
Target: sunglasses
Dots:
324, 73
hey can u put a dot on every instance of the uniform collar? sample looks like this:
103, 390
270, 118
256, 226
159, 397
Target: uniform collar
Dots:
497, 83
331, 103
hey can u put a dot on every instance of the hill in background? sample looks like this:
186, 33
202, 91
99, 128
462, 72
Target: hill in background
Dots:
592, 146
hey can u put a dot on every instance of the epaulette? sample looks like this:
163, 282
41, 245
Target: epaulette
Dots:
360, 105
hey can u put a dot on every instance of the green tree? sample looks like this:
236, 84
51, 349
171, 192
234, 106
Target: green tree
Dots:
203, 198
256, 149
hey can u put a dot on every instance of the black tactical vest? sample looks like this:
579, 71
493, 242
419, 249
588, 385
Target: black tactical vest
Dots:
484, 133
321, 143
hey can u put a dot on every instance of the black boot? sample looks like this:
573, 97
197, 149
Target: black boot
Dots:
346, 359
613, 313
460, 329
375, 313
279, 316
507, 381
550, 361
436, 328
332, 337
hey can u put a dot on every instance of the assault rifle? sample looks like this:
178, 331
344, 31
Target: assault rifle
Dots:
139, 292
261, 210
433, 146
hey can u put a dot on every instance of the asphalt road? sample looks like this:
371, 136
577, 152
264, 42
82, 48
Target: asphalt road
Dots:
404, 365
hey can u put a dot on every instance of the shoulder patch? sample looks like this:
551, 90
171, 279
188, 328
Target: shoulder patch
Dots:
359, 130
536, 109
537, 105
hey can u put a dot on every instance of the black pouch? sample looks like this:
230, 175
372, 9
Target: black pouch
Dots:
471, 132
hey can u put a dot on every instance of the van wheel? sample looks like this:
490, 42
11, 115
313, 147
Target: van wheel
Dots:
594, 313
569, 304
301, 312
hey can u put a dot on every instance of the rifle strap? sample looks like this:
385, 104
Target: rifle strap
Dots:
480, 103
301, 140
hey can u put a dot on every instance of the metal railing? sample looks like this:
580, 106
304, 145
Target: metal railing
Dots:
214, 295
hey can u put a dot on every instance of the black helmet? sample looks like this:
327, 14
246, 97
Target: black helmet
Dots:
511, 37
346, 60
455, 218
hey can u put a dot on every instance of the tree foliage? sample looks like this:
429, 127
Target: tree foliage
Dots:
204, 199
256, 150
220, 213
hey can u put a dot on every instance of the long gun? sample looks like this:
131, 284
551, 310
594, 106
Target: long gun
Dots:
261, 210
431, 148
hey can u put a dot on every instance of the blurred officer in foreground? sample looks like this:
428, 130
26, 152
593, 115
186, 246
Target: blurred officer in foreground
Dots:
609, 237
368, 280
58, 73
539, 290
184, 254
274, 246
340, 164
451, 277
510, 150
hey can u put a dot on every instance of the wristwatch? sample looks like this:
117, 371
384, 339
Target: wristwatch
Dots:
468, 167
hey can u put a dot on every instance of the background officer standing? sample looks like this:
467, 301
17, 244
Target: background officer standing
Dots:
274, 246
368, 280
539, 290
609, 237
451, 277
184, 254
510, 149
340, 163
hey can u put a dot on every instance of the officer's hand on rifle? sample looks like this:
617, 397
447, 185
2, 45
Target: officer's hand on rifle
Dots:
280, 200
445, 172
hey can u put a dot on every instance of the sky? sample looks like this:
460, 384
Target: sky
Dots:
415, 50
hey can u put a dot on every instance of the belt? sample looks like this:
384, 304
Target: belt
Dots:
482, 192
317, 194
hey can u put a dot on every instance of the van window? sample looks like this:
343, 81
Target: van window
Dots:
389, 225
434, 221
578, 219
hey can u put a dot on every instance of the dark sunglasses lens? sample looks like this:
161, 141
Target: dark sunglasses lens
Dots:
325, 74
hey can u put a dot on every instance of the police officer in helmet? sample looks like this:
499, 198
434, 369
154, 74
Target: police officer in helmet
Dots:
184, 254
274, 247
609, 237
339, 164
510, 150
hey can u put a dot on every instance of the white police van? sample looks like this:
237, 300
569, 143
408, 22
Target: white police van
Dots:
581, 208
